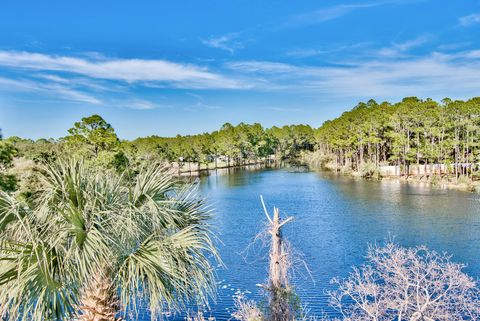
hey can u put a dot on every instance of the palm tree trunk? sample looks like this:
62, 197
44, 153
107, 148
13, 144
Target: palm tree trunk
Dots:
99, 301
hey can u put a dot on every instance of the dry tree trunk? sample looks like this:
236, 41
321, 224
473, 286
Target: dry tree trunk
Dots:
99, 301
278, 285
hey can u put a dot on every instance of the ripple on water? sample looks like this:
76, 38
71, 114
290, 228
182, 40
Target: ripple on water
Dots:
335, 219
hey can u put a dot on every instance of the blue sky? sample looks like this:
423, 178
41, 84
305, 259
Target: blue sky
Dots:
185, 67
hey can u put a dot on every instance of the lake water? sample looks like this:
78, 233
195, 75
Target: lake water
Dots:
335, 219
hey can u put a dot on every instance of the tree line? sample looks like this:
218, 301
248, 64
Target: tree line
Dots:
95, 139
413, 132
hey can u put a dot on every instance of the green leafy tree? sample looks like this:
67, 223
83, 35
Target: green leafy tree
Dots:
95, 132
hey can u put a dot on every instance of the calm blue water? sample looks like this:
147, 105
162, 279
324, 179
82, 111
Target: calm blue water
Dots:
335, 219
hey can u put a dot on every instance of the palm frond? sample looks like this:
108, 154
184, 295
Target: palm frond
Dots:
34, 284
168, 272
152, 236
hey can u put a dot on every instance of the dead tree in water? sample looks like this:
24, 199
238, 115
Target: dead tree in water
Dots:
278, 288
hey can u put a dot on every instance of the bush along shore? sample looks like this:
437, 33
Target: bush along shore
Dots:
435, 175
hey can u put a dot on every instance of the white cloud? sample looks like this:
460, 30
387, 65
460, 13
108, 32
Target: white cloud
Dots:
332, 48
201, 107
285, 109
260, 66
127, 70
409, 44
330, 13
454, 46
306, 52
469, 20
226, 42
141, 104
398, 49
54, 90
379, 76
435, 75
338, 11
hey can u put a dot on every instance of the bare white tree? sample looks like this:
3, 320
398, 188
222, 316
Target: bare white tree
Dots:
413, 284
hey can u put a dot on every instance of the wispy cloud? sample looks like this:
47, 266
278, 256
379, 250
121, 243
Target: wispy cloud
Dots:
435, 75
199, 107
306, 52
127, 70
337, 11
199, 104
261, 67
311, 52
285, 109
330, 13
54, 90
97, 79
228, 42
141, 104
400, 48
454, 46
388, 76
469, 20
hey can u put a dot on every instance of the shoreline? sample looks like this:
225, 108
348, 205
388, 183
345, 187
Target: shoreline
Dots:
194, 170
446, 182
442, 183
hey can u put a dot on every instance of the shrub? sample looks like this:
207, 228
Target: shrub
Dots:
406, 284
369, 170
316, 159
246, 310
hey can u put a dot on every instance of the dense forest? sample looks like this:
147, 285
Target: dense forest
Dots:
94, 138
412, 134
423, 133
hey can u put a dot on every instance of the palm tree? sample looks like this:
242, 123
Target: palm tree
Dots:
99, 246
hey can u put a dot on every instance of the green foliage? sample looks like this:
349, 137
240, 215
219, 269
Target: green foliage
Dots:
8, 182
7, 153
120, 162
233, 144
316, 159
292, 139
94, 140
291, 298
41, 151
